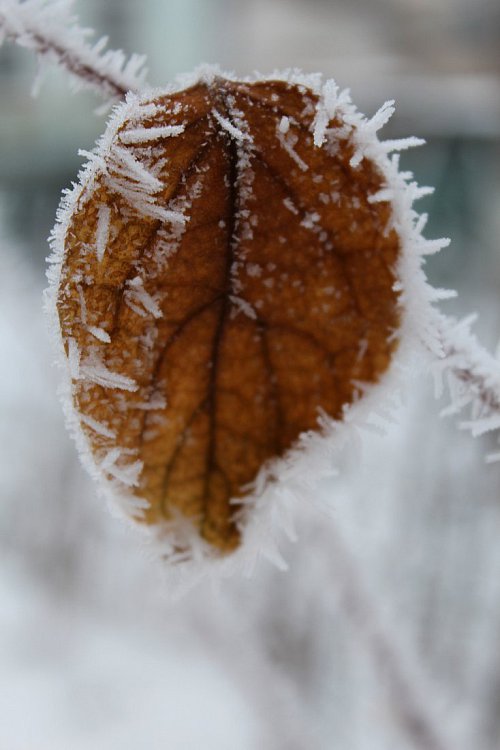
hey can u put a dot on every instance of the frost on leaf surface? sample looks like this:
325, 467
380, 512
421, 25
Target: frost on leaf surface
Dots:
223, 282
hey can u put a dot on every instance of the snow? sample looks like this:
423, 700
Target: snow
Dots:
325, 111
289, 204
156, 402
238, 135
381, 196
135, 293
284, 125
241, 305
130, 179
310, 221
124, 163
431, 247
98, 427
73, 358
288, 142
127, 474
253, 269
145, 135
100, 334
367, 129
401, 144
94, 371
481, 425
472, 377
102, 231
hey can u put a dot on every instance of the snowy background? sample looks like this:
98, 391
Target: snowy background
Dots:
93, 652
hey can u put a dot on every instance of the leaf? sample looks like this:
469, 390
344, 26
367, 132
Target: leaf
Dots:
228, 274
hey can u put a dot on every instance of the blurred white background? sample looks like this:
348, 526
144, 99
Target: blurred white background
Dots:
93, 653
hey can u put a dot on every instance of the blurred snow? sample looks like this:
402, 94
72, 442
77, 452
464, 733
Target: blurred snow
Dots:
94, 653
71, 679
73, 674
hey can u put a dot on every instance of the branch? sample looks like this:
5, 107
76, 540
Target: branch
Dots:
472, 377
48, 28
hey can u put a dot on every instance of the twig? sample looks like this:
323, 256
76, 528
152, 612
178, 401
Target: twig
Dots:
48, 28
473, 377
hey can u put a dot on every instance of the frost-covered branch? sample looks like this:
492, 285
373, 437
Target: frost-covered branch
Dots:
472, 376
49, 29
412, 695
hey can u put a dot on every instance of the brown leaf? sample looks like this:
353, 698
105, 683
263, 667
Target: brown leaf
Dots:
224, 279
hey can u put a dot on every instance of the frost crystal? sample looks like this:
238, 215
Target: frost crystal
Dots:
137, 294
102, 232
145, 135
96, 372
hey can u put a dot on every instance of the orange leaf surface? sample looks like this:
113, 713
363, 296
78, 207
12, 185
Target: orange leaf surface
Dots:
224, 281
